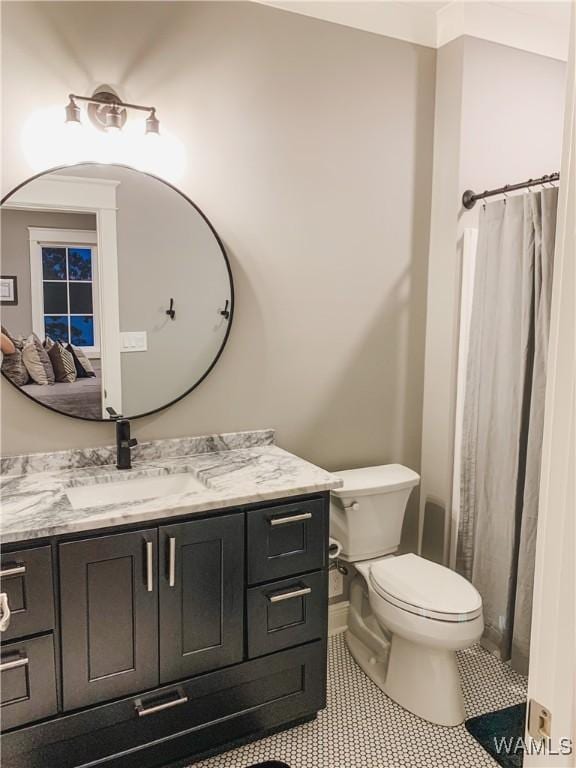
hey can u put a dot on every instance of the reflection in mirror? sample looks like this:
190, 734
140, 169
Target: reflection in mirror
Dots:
116, 291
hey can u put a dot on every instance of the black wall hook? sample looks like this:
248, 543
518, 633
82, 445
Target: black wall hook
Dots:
225, 312
171, 312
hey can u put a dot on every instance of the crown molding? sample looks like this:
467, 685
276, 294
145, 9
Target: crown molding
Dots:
523, 24
406, 21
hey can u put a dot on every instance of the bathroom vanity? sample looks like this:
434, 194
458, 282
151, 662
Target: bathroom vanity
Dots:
162, 613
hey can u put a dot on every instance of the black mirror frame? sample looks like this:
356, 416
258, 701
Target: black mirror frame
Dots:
226, 261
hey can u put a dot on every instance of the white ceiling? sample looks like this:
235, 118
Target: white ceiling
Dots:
532, 25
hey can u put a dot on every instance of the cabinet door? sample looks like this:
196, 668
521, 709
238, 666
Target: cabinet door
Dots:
201, 596
109, 605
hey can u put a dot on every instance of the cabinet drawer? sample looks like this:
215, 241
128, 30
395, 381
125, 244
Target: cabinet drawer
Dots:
28, 681
180, 721
286, 613
286, 539
26, 579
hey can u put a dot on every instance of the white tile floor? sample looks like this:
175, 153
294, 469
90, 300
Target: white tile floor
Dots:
363, 728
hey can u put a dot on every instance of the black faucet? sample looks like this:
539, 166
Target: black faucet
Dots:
124, 443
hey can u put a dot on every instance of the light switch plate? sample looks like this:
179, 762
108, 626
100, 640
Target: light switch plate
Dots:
133, 341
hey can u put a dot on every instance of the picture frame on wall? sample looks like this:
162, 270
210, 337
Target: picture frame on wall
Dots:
8, 290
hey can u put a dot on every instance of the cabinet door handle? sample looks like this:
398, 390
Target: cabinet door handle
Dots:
290, 519
21, 662
150, 566
171, 561
12, 570
143, 711
5, 612
280, 596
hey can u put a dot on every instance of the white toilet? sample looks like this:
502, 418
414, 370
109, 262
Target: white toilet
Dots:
407, 615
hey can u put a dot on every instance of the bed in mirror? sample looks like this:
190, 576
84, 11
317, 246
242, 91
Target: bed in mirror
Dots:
117, 294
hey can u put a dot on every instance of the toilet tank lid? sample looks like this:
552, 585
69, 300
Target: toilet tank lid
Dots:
371, 480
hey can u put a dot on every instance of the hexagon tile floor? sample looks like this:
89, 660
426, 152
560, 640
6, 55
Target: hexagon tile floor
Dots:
363, 728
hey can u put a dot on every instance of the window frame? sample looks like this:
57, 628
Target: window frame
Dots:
40, 237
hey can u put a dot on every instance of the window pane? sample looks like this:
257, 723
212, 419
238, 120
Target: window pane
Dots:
56, 298
54, 263
81, 298
82, 331
79, 264
56, 328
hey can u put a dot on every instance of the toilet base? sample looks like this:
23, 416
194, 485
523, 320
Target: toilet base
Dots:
425, 681
373, 665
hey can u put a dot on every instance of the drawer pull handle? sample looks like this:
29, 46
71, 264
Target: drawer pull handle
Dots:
149, 566
279, 597
290, 519
5, 612
6, 665
171, 561
12, 570
143, 711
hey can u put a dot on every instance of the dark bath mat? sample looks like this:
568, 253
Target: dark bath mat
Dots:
501, 733
270, 764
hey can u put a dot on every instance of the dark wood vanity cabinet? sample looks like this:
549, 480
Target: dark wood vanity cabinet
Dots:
168, 641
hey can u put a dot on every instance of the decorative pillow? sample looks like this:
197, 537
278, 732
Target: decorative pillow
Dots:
13, 366
62, 362
18, 341
84, 368
37, 361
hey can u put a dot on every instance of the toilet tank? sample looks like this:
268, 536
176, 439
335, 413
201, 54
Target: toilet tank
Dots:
367, 513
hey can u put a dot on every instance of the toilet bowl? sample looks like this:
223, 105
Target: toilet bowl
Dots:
408, 616
429, 612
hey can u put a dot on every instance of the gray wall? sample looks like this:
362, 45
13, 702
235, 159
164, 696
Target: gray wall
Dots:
15, 257
499, 115
309, 147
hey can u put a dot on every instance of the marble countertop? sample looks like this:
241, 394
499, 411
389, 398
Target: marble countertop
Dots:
234, 469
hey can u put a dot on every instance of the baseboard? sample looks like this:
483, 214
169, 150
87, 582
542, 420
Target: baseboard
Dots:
338, 617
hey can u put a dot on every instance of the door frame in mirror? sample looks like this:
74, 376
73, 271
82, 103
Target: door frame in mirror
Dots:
94, 209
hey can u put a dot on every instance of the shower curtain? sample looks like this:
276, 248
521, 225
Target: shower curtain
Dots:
503, 414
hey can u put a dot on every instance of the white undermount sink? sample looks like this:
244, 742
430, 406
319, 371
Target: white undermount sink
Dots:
124, 491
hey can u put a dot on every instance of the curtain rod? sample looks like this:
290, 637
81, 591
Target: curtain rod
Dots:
469, 197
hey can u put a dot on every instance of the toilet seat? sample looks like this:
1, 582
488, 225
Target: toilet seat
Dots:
425, 589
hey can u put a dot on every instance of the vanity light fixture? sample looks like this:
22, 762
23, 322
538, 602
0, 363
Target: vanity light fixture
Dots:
108, 112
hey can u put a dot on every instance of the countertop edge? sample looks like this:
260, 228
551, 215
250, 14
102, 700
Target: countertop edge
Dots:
146, 518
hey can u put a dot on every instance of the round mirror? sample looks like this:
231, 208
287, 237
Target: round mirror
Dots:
116, 293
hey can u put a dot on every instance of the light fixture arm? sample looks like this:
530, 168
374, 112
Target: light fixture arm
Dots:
115, 103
